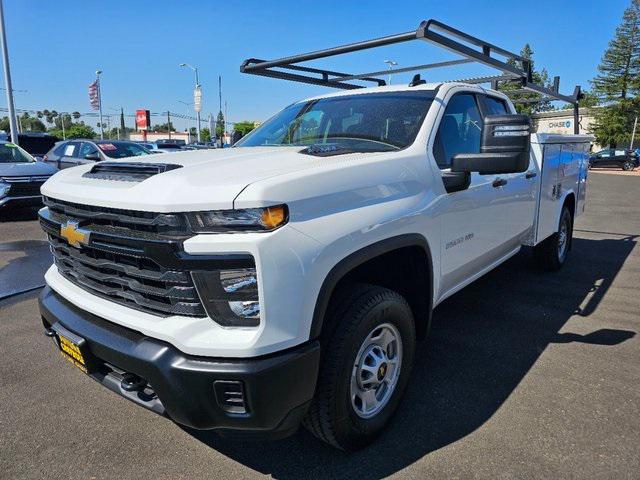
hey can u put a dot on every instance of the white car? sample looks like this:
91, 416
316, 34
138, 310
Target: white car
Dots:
287, 279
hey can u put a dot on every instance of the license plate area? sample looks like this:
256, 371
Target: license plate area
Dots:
73, 348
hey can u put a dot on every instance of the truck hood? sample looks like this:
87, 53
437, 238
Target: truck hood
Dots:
206, 179
23, 169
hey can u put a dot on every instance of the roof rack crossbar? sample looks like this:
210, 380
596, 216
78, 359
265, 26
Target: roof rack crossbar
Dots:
426, 66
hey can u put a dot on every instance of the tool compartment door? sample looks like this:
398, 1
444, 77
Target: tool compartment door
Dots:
548, 195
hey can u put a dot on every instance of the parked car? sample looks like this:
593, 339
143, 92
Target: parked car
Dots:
610, 157
36, 144
71, 153
151, 146
21, 177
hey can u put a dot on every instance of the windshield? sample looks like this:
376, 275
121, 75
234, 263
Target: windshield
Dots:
122, 149
360, 123
11, 153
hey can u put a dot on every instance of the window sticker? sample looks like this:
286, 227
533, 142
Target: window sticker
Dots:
107, 146
68, 151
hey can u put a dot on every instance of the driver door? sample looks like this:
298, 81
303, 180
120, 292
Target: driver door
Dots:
472, 220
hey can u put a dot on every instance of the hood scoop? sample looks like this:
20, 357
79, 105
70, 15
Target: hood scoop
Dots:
128, 172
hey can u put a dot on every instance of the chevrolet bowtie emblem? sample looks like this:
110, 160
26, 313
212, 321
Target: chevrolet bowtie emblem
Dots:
74, 235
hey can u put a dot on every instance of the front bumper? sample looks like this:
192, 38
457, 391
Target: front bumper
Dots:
277, 388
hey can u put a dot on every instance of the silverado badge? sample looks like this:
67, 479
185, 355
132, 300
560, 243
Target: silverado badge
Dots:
74, 235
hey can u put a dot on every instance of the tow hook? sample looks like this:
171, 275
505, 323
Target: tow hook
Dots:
132, 383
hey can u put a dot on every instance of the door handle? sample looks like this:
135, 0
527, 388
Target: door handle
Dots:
530, 175
499, 182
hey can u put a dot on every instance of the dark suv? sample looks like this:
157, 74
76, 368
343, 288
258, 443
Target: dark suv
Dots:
78, 152
620, 158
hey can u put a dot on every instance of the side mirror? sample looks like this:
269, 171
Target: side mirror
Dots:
95, 156
504, 147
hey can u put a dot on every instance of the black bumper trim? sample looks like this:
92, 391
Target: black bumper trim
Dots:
278, 386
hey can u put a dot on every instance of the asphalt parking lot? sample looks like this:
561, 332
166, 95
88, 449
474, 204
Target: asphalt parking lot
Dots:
526, 375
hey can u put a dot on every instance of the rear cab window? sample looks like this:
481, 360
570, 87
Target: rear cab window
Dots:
494, 106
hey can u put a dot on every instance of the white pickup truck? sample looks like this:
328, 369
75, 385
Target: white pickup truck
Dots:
287, 280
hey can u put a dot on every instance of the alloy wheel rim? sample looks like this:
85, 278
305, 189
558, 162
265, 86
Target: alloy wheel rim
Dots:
376, 370
563, 240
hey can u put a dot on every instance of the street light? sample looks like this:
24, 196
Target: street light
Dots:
391, 64
98, 73
196, 97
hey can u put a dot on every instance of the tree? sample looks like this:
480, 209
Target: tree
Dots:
588, 100
524, 102
74, 130
618, 81
163, 127
205, 135
220, 125
244, 127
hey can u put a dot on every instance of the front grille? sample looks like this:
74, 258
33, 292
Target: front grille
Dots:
125, 258
24, 186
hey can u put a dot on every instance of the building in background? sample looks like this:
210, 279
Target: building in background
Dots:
154, 136
561, 121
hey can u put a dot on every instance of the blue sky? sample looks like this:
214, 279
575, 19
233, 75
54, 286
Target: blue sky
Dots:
55, 46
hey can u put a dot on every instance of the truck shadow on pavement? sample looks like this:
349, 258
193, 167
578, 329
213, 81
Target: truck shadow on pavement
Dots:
483, 342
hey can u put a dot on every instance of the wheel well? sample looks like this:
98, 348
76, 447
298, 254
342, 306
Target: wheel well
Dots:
405, 270
570, 202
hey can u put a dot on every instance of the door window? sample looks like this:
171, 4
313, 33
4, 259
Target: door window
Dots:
495, 106
87, 149
460, 129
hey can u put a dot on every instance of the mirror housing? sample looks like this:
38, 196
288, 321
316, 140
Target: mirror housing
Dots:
504, 147
93, 156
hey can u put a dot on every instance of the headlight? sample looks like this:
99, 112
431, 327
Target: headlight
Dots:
230, 297
4, 188
242, 220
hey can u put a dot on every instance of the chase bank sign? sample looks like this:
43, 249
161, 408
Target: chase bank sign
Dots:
560, 124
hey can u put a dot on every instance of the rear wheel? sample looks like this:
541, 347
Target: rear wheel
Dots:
627, 166
365, 366
552, 252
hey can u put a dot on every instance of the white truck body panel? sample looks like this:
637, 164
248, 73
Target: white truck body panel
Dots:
561, 161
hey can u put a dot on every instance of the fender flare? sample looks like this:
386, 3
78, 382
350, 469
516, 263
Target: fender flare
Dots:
357, 258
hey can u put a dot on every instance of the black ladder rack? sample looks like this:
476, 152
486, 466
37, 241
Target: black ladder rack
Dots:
512, 67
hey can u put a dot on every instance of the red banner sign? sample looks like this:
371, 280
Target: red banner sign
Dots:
143, 119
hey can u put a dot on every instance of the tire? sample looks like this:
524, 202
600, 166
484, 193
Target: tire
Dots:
360, 316
627, 166
552, 253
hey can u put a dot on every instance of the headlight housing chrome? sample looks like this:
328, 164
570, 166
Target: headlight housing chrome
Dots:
241, 220
230, 297
4, 188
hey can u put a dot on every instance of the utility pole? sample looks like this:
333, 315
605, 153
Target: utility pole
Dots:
98, 73
64, 135
169, 123
7, 80
633, 135
220, 114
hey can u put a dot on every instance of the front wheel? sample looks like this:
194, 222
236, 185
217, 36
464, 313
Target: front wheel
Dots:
552, 252
365, 367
